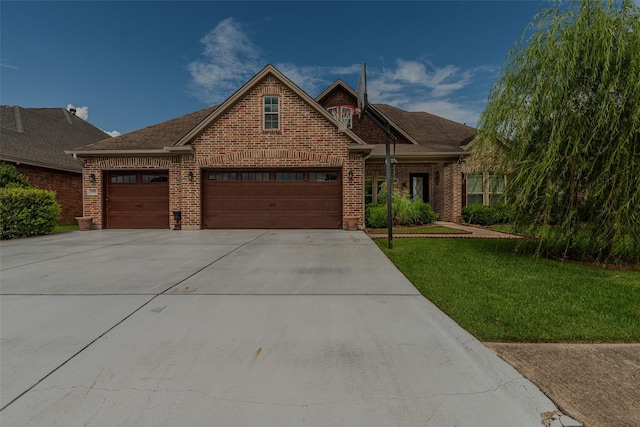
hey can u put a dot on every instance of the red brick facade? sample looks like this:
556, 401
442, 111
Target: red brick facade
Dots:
233, 136
67, 185
237, 139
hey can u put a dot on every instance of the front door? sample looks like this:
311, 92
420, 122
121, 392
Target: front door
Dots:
419, 189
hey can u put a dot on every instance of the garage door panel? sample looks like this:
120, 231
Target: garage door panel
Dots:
137, 204
273, 204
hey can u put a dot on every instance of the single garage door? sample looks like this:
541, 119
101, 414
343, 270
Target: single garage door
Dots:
137, 199
272, 199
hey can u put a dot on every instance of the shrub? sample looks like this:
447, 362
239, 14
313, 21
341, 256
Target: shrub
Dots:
404, 211
11, 178
27, 212
479, 214
503, 214
375, 215
426, 215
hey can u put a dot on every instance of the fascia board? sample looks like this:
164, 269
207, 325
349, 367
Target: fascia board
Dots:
38, 164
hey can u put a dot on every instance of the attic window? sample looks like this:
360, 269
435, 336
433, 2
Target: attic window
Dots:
271, 112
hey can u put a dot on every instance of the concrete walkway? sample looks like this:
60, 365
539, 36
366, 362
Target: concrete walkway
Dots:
242, 328
468, 231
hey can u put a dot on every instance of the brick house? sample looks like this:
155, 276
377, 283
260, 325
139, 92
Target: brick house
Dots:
34, 140
270, 156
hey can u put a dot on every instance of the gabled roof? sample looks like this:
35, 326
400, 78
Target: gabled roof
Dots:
244, 90
40, 136
174, 135
337, 84
428, 134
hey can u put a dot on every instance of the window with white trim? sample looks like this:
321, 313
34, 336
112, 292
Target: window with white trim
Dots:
271, 105
485, 188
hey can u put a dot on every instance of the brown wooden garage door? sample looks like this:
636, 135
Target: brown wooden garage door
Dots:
137, 199
272, 199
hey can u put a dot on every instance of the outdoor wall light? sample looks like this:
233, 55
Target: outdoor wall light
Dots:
350, 175
92, 177
190, 176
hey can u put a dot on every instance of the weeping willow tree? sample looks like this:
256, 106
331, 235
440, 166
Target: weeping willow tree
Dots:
563, 122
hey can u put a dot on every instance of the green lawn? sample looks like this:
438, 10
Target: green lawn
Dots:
499, 296
65, 226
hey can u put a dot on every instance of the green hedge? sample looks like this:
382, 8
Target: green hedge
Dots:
486, 215
27, 212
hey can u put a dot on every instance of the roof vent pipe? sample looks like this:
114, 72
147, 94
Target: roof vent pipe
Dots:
72, 111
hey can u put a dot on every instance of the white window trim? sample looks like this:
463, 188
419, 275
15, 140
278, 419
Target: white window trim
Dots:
264, 112
486, 193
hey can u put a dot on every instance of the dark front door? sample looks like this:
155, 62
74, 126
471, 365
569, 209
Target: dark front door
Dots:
137, 199
419, 186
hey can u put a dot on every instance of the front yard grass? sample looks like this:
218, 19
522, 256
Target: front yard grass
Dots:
65, 226
497, 295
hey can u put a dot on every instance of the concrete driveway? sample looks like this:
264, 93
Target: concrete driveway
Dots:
237, 328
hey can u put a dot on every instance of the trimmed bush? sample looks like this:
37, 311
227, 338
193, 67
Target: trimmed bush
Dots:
426, 215
486, 215
375, 215
479, 214
27, 212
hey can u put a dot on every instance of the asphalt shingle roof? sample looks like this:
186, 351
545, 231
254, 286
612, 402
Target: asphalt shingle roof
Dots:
39, 136
157, 136
433, 133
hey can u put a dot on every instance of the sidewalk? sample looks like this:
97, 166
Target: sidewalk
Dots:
467, 231
594, 383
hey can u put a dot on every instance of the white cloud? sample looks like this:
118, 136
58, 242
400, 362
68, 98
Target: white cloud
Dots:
82, 112
423, 86
229, 59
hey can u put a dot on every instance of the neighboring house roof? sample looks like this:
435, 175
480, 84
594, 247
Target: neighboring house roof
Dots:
40, 136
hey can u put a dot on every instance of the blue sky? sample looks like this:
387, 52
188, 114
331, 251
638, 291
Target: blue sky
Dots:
128, 65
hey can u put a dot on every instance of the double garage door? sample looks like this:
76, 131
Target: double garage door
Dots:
272, 198
230, 199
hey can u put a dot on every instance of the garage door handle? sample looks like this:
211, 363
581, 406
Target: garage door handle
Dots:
272, 205
139, 205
